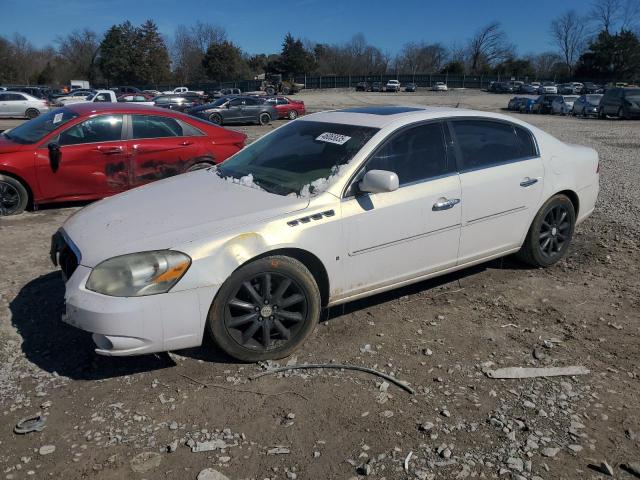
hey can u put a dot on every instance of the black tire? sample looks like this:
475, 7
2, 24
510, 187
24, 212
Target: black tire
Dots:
215, 118
584, 112
248, 320
286, 91
264, 118
292, 115
270, 91
13, 196
550, 233
32, 113
198, 166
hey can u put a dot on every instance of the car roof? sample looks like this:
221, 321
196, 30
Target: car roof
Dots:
381, 116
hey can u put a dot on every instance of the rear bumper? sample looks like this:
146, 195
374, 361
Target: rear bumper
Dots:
136, 325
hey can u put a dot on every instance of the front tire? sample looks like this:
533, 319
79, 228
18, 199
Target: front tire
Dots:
215, 118
13, 196
292, 115
198, 166
31, 113
550, 233
265, 310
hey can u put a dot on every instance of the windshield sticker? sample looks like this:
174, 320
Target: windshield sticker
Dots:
333, 138
57, 118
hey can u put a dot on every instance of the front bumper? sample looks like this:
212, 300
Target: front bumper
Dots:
124, 326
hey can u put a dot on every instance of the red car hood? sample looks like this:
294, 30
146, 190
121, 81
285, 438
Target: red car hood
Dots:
7, 146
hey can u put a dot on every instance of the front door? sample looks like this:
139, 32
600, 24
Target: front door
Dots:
396, 236
93, 161
501, 178
161, 147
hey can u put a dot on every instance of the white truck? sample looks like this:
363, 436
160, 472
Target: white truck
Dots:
97, 96
178, 90
76, 84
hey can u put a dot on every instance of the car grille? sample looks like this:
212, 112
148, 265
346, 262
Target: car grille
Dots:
63, 255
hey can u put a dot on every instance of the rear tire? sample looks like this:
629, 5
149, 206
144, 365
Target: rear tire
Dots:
265, 310
550, 233
215, 118
292, 115
198, 166
31, 113
13, 196
264, 119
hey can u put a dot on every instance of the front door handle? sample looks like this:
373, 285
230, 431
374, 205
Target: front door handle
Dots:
445, 204
186, 143
527, 182
109, 150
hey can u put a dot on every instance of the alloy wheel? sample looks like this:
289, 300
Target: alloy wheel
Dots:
554, 231
9, 199
266, 311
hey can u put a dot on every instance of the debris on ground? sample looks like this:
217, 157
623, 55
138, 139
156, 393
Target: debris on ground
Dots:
524, 372
30, 424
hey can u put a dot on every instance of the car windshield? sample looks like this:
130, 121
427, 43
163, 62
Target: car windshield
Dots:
297, 158
36, 129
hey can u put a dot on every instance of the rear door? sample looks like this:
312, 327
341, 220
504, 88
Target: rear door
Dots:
161, 147
501, 176
93, 160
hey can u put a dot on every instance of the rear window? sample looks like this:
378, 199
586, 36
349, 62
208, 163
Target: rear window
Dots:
487, 143
153, 126
38, 128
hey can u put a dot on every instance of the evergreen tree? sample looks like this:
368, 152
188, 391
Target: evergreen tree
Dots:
294, 59
152, 65
223, 61
611, 57
117, 53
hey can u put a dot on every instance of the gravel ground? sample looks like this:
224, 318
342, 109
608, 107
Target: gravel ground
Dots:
175, 416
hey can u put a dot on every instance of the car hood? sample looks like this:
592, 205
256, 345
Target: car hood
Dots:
9, 146
170, 213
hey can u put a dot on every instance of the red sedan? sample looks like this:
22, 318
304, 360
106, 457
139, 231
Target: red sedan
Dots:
286, 107
90, 151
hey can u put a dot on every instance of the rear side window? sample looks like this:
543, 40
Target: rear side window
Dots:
485, 143
414, 155
151, 126
104, 128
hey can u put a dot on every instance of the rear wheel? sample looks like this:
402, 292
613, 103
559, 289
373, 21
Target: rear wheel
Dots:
265, 310
292, 115
32, 113
550, 233
264, 119
215, 118
13, 196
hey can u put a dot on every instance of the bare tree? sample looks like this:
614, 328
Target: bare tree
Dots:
630, 18
606, 13
190, 44
78, 51
569, 33
420, 58
488, 46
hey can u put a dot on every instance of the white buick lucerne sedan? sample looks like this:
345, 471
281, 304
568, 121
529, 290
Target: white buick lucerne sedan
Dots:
323, 210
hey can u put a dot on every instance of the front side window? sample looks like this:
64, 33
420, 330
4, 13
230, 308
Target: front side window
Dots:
236, 102
485, 143
299, 157
414, 155
103, 128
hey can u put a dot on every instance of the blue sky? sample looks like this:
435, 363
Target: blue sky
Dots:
386, 24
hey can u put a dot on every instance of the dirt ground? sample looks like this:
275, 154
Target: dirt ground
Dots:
138, 418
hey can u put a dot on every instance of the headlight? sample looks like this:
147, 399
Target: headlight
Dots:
139, 274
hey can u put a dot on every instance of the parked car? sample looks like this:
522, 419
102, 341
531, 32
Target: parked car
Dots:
99, 96
547, 87
516, 103
299, 223
34, 91
439, 87
152, 93
587, 105
286, 107
225, 92
139, 98
234, 109
177, 102
21, 105
543, 103
526, 106
501, 87
528, 88
621, 103
82, 152
74, 96
363, 87
392, 86
377, 87
410, 87
125, 89
590, 87
563, 104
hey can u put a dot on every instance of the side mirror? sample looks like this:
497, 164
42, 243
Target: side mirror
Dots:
379, 181
55, 155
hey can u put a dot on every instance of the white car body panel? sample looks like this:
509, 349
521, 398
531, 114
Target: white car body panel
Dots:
366, 244
89, 99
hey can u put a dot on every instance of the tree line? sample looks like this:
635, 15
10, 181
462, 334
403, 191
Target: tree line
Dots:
601, 42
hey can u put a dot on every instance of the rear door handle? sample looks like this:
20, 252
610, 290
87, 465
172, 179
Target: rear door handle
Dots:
186, 143
527, 182
445, 204
109, 150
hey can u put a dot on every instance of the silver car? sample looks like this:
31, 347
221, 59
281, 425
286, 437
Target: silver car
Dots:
21, 105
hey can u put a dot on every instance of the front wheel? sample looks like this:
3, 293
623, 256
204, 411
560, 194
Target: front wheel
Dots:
215, 118
13, 196
550, 233
265, 310
198, 166
31, 113
292, 115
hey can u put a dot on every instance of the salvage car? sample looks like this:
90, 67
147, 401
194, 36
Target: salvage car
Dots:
543, 103
286, 107
587, 105
563, 104
410, 87
439, 87
21, 105
178, 102
621, 103
363, 87
326, 209
236, 109
90, 151
139, 98
392, 86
